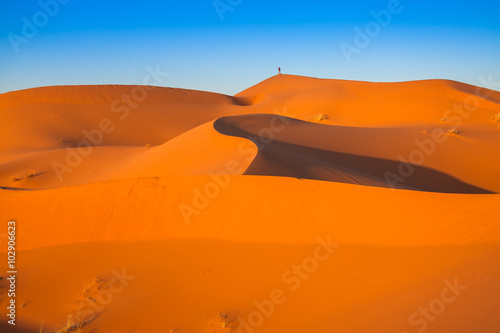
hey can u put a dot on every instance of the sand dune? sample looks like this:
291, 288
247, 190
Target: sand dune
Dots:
358, 289
57, 117
111, 210
310, 151
298, 205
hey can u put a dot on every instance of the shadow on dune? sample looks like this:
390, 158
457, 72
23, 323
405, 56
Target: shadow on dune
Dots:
244, 100
14, 188
278, 158
7, 328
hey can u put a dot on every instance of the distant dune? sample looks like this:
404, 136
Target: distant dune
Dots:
297, 205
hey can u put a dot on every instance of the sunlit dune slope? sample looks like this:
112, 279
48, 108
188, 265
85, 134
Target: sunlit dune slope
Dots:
247, 209
185, 286
375, 104
199, 151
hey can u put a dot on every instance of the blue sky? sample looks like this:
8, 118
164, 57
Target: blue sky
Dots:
114, 42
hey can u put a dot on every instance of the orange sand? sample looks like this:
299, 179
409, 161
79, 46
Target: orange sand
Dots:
268, 211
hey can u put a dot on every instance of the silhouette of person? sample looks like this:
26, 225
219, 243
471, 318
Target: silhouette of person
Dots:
279, 70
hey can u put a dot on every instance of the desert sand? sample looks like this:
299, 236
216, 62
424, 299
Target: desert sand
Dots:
297, 205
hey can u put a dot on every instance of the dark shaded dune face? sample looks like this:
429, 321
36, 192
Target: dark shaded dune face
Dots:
279, 158
480, 92
244, 100
283, 159
7, 328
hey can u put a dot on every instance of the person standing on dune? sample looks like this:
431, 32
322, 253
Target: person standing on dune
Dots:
279, 70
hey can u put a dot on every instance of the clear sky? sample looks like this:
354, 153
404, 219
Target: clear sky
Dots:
228, 45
